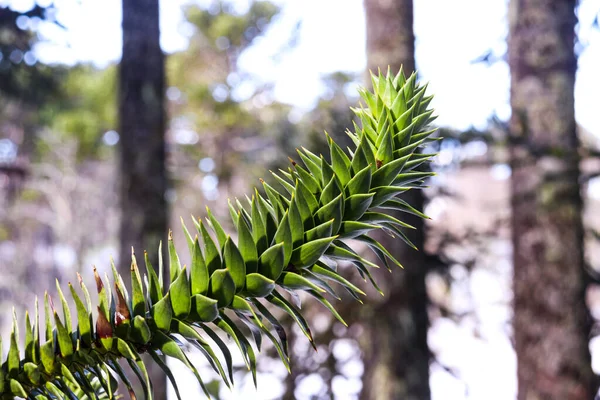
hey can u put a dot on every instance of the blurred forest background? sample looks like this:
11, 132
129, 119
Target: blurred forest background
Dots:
98, 156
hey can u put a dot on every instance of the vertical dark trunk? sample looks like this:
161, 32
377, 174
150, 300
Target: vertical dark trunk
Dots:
390, 35
142, 135
290, 381
551, 323
394, 342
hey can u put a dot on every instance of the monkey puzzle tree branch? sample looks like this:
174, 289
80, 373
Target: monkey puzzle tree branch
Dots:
290, 239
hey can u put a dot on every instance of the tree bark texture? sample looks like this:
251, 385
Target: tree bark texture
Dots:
390, 35
394, 343
551, 322
142, 136
142, 131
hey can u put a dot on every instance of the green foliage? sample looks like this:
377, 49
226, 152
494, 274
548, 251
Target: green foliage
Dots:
22, 78
222, 22
86, 110
289, 241
205, 78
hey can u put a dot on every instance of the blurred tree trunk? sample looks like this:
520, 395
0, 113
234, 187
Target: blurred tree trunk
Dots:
142, 136
390, 36
394, 342
551, 322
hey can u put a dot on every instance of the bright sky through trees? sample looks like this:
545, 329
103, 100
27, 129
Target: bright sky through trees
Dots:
450, 35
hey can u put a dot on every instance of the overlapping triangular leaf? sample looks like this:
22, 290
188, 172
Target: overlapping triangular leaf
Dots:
286, 240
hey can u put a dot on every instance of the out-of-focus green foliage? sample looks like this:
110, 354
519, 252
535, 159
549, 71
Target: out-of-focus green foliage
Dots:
221, 21
22, 78
203, 72
25, 84
87, 109
204, 78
